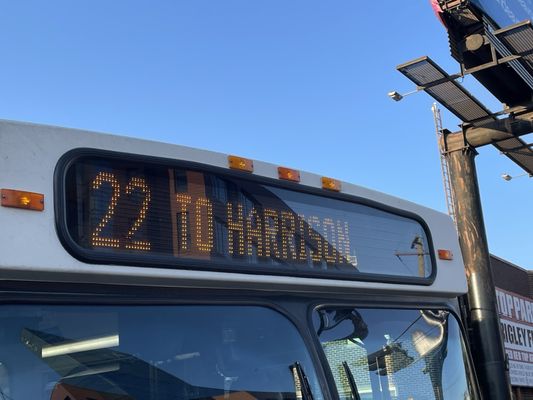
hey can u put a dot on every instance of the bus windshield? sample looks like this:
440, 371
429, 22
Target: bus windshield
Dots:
149, 352
394, 354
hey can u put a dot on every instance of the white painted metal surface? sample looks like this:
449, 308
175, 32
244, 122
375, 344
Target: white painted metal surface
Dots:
30, 249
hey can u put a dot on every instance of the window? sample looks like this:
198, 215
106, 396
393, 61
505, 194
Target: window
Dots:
393, 354
150, 352
134, 212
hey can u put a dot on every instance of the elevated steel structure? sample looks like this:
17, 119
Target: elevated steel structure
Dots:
480, 125
501, 59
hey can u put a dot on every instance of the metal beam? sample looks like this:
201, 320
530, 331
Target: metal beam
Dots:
492, 131
527, 145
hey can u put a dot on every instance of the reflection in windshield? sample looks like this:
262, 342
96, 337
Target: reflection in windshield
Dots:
393, 354
163, 353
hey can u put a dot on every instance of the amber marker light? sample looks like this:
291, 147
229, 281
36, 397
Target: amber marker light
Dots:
21, 199
331, 184
445, 254
240, 163
289, 174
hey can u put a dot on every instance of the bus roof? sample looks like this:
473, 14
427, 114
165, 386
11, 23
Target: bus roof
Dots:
31, 249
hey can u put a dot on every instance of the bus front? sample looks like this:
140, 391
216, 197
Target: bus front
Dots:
140, 270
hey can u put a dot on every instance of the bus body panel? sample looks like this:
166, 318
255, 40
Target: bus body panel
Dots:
76, 329
28, 157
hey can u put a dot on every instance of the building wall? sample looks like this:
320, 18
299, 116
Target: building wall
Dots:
514, 279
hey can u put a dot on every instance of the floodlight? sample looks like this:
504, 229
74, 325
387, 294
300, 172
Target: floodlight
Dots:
394, 95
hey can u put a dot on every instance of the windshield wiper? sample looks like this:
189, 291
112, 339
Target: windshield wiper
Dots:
304, 383
351, 381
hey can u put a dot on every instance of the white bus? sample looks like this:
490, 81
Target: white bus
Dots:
137, 270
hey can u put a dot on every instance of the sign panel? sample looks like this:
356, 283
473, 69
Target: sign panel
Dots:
124, 210
506, 12
516, 322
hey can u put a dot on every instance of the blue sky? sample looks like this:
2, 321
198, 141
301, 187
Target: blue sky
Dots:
297, 83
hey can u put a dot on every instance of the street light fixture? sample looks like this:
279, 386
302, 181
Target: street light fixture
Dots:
507, 177
394, 95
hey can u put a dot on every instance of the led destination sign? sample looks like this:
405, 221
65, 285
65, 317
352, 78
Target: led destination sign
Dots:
128, 212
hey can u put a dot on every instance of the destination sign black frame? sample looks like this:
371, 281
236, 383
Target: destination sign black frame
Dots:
109, 256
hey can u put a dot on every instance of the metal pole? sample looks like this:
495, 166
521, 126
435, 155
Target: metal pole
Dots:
487, 346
